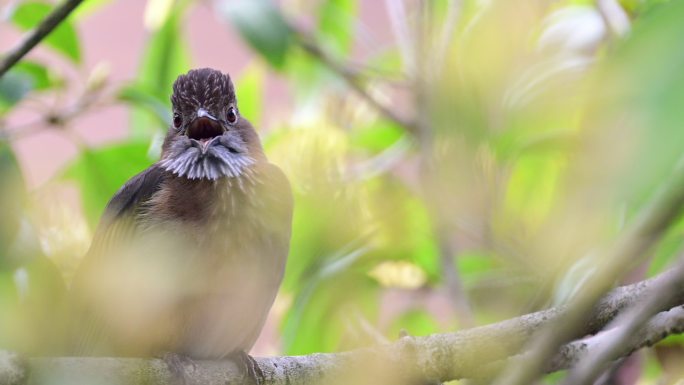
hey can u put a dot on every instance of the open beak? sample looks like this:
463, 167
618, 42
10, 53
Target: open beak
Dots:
204, 130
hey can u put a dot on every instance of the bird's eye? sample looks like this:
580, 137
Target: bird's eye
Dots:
177, 120
232, 115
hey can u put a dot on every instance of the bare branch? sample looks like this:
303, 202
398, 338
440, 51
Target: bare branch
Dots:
625, 326
630, 249
39, 33
656, 329
352, 78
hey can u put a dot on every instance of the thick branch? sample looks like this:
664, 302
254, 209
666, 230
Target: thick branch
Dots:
34, 37
437, 357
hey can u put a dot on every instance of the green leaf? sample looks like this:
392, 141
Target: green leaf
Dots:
417, 322
13, 88
87, 8
23, 78
62, 39
250, 93
377, 137
336, 25
41, 79
262, 25
137, 96
101, 172
325, 310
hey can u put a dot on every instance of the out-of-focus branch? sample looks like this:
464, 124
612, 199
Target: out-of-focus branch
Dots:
351, 77
39, 33
437, 357
615, 18
399, 21
630, 249
454, 284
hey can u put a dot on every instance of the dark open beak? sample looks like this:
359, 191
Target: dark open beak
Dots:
204, 130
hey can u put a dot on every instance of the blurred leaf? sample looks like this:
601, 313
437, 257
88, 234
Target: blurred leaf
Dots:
533, 186
166, 57
474, 266
24, 77
399, 274
336, 25
638, 100
87, 8
13, 87
101, 172
668, 249
40, 76
261, 24
12, 195
415, 322
139, 97
63, 39
157, 12
377, 137
326, 311
32, 297
250, 93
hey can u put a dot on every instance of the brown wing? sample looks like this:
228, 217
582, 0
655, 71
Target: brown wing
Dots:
117, 227
279, 201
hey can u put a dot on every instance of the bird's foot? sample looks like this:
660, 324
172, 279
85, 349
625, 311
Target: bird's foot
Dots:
178, 365
249, 366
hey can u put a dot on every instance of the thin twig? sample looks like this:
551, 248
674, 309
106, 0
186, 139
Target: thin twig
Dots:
454, 283
352, 78
39, 33
630, 249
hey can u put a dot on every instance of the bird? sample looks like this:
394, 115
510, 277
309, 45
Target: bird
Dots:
189, 254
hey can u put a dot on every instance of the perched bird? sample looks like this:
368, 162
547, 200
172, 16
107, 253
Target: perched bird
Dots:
189, 254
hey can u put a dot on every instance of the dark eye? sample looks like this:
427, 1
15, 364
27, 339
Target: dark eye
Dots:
177, 120
232, 115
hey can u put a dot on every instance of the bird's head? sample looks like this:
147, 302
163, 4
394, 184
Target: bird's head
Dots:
208, 138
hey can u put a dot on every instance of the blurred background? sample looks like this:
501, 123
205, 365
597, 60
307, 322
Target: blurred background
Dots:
454, 162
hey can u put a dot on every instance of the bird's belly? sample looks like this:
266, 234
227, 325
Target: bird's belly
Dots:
222, 324
227, 310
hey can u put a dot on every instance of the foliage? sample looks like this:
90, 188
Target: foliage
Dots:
536, 145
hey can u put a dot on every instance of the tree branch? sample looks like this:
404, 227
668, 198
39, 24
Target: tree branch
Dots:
441, 357
615, 18
630, 248
310, 46
625, 326
39, 33
655, 330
